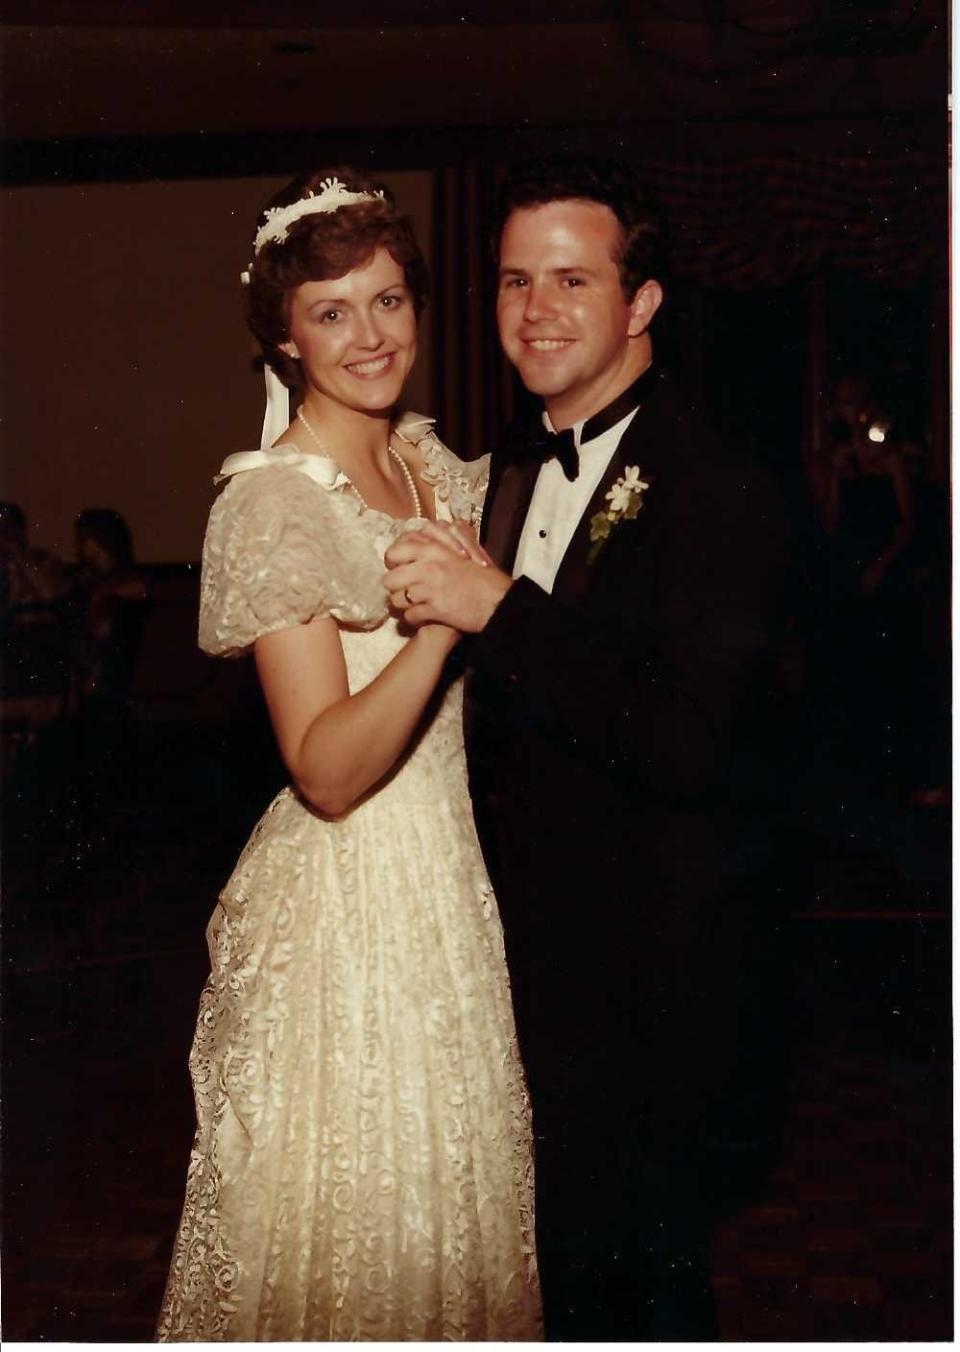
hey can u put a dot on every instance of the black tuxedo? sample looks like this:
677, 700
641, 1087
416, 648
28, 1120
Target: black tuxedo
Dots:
600, 721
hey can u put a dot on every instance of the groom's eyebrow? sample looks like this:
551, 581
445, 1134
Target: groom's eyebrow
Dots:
554, 272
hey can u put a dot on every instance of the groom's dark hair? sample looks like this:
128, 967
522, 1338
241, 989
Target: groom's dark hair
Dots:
643, 235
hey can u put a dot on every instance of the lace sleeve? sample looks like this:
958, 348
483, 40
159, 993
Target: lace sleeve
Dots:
279, 551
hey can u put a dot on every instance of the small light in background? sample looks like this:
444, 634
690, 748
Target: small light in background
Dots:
877, 432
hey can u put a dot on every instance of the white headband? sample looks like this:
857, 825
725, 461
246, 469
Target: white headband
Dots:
332, 196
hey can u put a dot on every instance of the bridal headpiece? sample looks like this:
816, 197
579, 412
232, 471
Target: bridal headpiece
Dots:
332, 195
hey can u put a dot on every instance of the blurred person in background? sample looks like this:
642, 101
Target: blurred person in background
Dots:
28, 576
862, 650
107, 596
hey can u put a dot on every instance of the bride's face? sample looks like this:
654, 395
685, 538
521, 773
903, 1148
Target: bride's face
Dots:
356, 335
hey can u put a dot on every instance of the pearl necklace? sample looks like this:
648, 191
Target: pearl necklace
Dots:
395, 455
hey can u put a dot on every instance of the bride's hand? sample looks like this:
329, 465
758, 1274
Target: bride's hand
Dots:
457, 536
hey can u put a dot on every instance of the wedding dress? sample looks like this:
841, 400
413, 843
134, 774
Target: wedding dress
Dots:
362, 1162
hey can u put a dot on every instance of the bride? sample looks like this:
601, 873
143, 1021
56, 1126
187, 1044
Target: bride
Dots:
361, 1167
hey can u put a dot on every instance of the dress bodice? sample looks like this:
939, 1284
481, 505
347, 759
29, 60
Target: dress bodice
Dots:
434, 767
289, 541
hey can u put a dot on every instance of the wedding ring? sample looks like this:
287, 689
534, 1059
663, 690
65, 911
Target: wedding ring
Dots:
410, 600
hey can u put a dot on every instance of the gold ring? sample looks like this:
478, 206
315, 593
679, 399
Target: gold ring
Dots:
410, 600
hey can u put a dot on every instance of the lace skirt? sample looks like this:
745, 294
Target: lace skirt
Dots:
362, 1163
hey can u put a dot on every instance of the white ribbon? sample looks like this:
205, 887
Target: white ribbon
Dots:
276, 417
324, 471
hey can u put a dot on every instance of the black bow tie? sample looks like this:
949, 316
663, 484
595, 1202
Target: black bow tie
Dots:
563, 447
560, 446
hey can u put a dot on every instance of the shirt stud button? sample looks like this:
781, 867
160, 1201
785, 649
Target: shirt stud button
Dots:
542, 534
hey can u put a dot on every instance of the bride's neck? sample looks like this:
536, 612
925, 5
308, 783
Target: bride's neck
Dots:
349, 433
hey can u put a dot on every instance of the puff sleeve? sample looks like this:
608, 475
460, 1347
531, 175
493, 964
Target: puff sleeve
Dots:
281, 550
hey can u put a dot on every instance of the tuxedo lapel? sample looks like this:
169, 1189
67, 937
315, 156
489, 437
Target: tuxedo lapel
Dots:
506, 510
573, 576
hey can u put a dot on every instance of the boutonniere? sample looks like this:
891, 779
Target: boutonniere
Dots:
625, 499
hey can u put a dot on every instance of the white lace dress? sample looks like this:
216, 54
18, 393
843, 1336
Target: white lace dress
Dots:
362, 1165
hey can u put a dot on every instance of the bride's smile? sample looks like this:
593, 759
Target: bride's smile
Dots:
371, 370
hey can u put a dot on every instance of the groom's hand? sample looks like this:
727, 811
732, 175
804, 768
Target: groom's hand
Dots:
457, 536
439, 574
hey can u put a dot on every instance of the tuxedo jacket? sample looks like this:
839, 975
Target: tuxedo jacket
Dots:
599, 723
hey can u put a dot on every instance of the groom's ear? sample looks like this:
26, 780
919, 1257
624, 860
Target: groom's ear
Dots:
645, 304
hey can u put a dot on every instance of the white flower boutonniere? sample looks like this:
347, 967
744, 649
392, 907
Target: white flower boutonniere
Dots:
625, 499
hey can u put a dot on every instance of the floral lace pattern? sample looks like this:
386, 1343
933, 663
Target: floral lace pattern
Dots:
362, 1162
459, 486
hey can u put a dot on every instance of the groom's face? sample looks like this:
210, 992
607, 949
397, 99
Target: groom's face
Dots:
563, 318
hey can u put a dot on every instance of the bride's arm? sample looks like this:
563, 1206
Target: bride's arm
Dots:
337, 745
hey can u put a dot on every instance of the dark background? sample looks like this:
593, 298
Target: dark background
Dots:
800, 150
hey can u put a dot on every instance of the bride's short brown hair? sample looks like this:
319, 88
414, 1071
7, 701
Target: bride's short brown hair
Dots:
321, 246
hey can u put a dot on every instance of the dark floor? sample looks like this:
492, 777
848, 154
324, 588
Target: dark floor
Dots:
848, 1237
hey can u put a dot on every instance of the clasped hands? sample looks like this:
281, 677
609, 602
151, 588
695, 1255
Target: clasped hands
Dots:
440, 574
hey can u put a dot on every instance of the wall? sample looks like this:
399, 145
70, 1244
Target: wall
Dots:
126, 366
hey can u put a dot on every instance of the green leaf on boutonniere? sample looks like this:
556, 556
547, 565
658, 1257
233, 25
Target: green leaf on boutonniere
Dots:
625, 498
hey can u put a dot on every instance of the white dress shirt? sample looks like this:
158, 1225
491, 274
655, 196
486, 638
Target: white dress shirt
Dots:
558, 504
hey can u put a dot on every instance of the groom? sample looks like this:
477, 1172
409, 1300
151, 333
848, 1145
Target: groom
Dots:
619, 629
